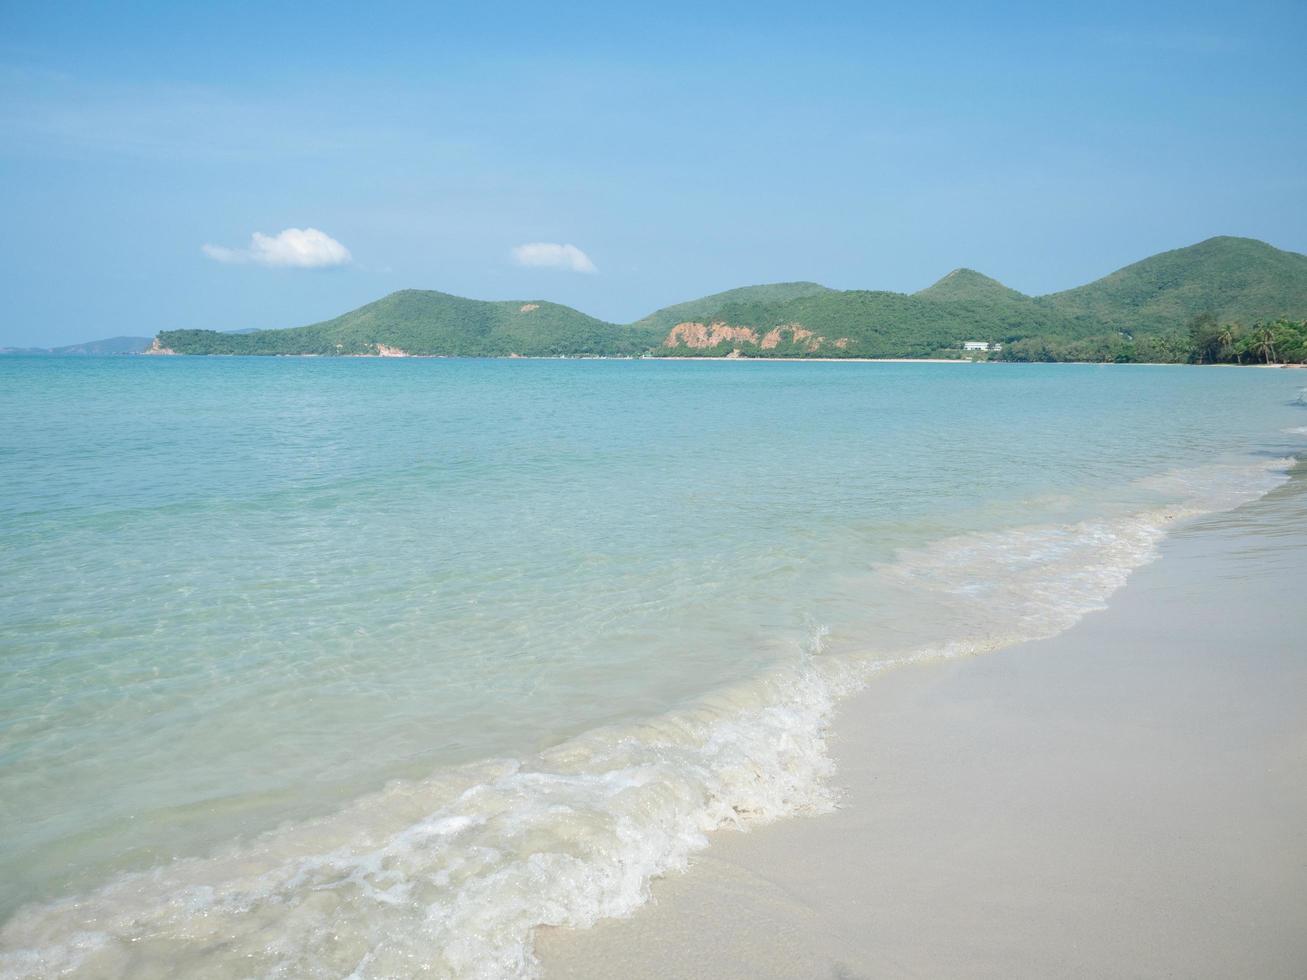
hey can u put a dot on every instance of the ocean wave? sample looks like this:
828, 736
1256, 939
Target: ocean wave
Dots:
450, 875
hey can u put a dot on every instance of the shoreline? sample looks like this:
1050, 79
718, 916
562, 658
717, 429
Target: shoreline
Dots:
680, 357
1123, 798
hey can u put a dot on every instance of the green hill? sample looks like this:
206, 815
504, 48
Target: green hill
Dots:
1234, 279
1143, 311
706, 306
421, 322
859, 323
969, 285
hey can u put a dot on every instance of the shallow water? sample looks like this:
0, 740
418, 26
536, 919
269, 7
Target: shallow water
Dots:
320, 667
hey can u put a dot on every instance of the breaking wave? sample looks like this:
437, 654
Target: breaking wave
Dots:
450, 875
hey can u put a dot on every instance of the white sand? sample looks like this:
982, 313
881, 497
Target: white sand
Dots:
1128, 799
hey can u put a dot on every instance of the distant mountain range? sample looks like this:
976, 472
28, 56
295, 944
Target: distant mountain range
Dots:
1235, 280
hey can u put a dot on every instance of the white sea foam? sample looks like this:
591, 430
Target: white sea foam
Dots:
449, 876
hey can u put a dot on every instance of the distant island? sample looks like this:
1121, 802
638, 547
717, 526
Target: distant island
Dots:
110, 345
96, 348
1231, 300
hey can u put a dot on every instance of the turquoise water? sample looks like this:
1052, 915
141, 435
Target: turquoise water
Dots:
315, 667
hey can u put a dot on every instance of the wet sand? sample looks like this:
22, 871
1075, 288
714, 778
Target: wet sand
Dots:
1126, 799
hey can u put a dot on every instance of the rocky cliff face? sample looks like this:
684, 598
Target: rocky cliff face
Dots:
704, 336
158, 348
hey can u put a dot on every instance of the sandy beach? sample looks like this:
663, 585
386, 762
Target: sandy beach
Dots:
1126, 799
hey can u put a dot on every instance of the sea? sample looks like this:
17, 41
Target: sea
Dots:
363, 667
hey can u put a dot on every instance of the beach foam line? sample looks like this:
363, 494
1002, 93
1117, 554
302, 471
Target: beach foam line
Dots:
452, 874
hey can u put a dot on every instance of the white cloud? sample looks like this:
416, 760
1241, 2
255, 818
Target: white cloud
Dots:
551, 255
300, 248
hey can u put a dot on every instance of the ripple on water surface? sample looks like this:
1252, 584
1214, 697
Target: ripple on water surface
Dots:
500, 641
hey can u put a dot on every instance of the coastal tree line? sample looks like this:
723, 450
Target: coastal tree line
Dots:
1206, 341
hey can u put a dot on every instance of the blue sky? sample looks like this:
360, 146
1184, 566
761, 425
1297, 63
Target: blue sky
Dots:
678, 150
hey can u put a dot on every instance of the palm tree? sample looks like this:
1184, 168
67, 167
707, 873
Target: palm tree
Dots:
1265, 340
1226, 339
